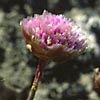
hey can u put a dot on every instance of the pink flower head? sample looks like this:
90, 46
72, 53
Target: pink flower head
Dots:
53, 37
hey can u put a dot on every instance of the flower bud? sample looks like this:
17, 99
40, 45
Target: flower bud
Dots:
53, 37
96, 81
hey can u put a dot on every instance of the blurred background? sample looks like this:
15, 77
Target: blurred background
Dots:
68, 81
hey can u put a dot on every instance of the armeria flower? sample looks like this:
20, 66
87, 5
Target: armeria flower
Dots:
53, 37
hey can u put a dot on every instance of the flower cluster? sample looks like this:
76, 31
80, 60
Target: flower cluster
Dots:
53, 37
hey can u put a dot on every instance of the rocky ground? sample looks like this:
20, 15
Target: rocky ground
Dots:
68, 81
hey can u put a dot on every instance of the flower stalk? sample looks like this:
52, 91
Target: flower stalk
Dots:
38, 73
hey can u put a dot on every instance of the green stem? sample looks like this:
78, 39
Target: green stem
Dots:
38, 73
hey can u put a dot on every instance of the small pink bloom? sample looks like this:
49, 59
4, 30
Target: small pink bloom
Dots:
53, 37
